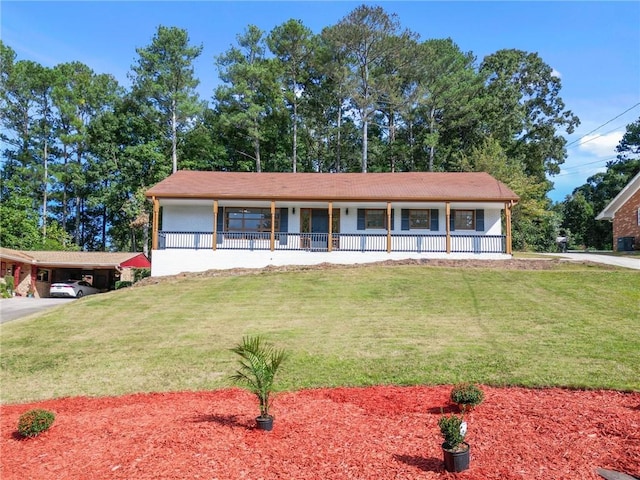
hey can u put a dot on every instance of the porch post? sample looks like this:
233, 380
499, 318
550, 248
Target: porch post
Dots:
330, 239
214, 245
33, 280
389, 227
17, 267
448, 223
273, 225
156, 221
507, 212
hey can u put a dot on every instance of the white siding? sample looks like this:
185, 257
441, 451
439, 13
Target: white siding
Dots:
178, 218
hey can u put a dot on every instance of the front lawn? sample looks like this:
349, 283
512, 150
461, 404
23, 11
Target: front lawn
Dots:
567, 325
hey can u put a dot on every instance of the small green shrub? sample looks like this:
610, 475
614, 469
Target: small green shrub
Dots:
140, 273
123, 284
451, 428
6, 286
34, 422
467, 395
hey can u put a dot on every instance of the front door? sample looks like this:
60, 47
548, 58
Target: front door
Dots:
315, 227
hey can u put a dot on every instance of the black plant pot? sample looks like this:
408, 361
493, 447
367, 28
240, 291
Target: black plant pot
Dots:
265, 423
456, 461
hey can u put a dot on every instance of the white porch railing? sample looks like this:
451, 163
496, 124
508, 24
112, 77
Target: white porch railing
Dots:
349, 242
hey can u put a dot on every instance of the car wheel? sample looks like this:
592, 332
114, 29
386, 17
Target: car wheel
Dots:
79, 294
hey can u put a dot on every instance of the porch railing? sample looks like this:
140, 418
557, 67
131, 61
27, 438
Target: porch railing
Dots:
346, 242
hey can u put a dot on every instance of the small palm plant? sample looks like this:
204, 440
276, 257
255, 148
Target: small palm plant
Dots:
259, 362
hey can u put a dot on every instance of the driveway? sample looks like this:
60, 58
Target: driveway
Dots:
618, 261
18, 307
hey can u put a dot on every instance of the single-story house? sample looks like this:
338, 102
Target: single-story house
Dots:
624, 212
221, 220
35, 271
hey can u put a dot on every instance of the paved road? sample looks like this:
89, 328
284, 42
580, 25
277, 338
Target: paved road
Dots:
618, 261
18, 307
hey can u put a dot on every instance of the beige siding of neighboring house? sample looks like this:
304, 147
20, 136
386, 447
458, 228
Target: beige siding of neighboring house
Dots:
626, 223
22, 288
127, 275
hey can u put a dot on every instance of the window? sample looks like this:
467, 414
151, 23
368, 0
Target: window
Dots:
464, 219
639, 216
250, 220
419, 220
375, 219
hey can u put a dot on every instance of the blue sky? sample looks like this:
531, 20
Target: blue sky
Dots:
593, 46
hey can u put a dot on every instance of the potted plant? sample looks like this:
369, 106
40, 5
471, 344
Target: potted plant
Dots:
466, 396
455, 450
259, 363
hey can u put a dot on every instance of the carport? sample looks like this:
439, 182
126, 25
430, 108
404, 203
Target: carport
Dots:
35, 271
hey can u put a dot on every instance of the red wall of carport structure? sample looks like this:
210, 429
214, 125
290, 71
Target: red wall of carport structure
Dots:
139, 261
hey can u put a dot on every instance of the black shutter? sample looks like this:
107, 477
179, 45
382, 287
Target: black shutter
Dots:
479, 220
435, 221
220, 226
361, 225
452, 220
404, 219
284, 225
393, 223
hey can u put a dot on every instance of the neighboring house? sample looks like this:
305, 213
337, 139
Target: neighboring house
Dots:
222, 220
624, 212
36, 270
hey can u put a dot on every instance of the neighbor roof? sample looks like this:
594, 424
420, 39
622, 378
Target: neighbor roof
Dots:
80, 259
627, 192
410, 186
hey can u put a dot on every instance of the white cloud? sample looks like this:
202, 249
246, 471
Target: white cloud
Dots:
556, 73
601, 145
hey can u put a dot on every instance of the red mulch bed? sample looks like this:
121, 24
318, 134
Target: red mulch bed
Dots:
357, 433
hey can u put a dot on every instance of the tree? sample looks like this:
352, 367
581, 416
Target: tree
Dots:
27, 125
532, 223
250, 95
291, 43
163, 78
79, 95
578, 217
586, 201
524, 110
447, 101
363, 37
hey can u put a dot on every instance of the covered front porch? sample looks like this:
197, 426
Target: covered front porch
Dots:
313, 233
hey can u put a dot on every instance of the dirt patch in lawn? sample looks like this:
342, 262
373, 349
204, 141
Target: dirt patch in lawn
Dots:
377, 433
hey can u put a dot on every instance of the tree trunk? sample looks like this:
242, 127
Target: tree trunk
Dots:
45, 197
339, 141
295, 134
145, 243
392, 139
365, 130
432, 148
256, 147
174, 136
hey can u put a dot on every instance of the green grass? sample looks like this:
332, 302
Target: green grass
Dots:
574, 326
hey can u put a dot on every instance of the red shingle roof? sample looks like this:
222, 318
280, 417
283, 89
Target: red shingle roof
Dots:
411, 186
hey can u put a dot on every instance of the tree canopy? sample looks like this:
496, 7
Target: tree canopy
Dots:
362, 95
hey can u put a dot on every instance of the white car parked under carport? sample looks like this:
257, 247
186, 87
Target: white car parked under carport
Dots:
72, 288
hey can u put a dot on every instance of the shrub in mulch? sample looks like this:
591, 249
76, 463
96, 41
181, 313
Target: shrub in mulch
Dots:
381, 433
34, 422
